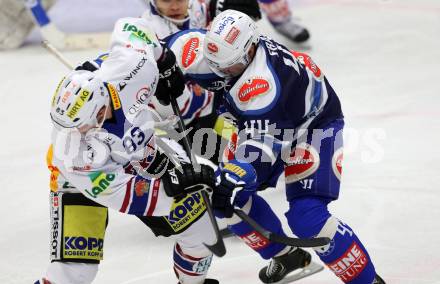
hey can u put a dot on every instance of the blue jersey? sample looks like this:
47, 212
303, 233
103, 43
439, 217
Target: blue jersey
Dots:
280, 86
280, 92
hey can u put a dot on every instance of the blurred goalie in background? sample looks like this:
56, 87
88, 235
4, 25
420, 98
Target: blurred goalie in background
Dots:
15, 22
18, 17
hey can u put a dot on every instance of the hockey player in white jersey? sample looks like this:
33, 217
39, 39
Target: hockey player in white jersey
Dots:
104, 148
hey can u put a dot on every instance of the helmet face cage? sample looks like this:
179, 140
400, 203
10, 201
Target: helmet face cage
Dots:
229, 52
77, 100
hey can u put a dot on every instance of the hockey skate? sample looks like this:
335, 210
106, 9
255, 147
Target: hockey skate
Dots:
296, 260
293, 31
378, 280
209, 281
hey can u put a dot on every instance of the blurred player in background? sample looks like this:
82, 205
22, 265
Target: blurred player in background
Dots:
18, 17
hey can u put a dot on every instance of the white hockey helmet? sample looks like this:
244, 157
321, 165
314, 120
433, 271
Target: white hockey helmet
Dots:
229, 39
78, 99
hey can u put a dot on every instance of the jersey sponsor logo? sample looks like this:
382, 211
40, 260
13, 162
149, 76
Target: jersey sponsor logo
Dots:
307, 61
239, 171
224, 22
337, 163
190, 49
79, 103
186, 211
138, 34
121, 86
142, 97
114, 96
255, 240
141, 187
55, 226
132, 73
253, 88
350, 264
301, 163
81, 168
232, 35
229, 152
100, 181
212, 47
82, 246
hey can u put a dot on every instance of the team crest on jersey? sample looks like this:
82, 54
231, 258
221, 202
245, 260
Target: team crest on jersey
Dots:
232, 35
212, 47
137, 34
302, 162
141, 187
252, 88
307, 61
189, 53
337, 163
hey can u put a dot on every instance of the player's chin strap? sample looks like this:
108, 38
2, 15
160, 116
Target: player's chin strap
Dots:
217, 248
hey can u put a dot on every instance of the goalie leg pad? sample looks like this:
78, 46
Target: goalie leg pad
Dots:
16, 21
345, 255
77, 228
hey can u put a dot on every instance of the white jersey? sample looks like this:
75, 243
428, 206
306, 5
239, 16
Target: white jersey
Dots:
94, 163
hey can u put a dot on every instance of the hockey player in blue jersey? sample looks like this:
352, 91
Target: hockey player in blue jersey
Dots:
290, 123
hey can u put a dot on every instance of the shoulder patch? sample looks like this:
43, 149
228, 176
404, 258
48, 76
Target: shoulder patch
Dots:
252, 88
189, 51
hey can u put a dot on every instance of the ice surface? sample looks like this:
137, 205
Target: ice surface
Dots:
382, 58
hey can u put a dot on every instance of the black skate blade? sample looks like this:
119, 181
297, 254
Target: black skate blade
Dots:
298, 274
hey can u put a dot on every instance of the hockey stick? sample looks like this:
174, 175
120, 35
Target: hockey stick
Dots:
218, 248
60, 39
294, 242
49, 47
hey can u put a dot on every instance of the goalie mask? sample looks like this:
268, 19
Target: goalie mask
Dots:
229, 40
78, 99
